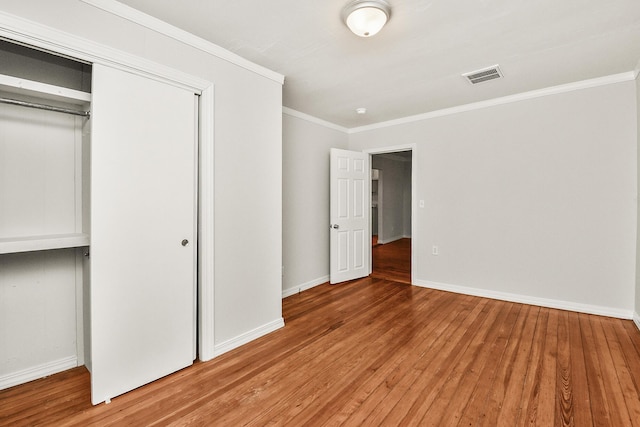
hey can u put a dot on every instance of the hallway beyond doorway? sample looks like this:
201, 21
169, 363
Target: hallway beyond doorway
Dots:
392, 261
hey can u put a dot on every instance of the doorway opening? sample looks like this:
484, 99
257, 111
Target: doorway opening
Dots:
391, 215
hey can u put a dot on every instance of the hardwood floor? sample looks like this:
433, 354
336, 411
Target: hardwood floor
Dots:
377, 352
392, 261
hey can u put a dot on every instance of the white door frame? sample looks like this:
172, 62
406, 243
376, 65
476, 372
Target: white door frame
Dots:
52, 40
380, 208
414, 201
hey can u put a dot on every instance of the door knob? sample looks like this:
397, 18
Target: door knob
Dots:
185, 242
336, 226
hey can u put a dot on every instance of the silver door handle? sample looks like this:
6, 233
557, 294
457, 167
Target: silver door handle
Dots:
184, 242
336, 226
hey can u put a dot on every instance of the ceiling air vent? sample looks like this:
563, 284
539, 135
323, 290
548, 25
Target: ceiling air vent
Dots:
479, 76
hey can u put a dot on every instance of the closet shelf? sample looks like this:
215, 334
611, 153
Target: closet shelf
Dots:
10, 84
42, 243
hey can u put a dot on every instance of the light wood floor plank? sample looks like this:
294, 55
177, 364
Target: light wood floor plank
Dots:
474, 410
577, 392
381, 392
392, 261
547, 399
443, 381
316, 396
393, 371
528, 411
622, 371
431, 357
378, 352
599, 406
564, 385
632, 360
333, 353
448, 409
505, 401
619, 414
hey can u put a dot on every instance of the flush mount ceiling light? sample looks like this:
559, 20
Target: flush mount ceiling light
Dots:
365, 18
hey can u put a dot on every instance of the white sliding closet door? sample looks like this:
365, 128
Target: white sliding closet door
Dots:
143, 239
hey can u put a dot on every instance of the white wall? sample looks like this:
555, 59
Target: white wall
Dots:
305, 203
37, 313
531, 200
248, 160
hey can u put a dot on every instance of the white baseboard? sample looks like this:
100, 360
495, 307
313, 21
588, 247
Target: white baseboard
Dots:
389, 240
242, 339
636, 319
37, 372
524, 299
303, 287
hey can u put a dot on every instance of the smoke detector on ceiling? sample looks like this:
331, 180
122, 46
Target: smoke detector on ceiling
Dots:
483, 75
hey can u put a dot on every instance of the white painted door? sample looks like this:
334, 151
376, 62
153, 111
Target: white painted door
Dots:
143, 239
350, 240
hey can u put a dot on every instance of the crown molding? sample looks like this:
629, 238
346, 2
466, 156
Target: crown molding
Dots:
126, 12
294, 113
40, 36
554, 90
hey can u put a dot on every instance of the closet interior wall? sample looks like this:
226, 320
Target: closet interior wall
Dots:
44, 199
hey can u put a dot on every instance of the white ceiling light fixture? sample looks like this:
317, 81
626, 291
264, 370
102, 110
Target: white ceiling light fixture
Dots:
366, 18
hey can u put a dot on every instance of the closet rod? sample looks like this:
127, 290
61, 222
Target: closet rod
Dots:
45, 107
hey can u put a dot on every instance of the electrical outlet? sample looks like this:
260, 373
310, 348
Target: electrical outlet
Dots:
434, 250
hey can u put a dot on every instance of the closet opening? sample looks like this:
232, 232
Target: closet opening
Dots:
44, 206
77, 194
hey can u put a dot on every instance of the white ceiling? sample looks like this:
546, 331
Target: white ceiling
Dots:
414, 64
